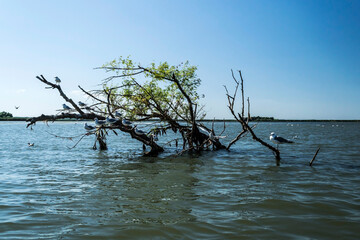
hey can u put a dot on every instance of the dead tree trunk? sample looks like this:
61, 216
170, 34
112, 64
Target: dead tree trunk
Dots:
245, 121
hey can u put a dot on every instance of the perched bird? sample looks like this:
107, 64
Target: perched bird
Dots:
139, 131
30, 144
81, 104
111, 121
117, 114
126, 123
278, 140
66, 107
57, 80
99, 123
17, 107
89, 127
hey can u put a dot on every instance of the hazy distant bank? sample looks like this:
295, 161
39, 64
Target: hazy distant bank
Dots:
256, 119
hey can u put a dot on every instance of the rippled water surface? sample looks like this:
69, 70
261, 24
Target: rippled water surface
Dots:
50, 191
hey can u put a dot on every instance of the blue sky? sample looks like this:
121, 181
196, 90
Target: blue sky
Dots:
300, 59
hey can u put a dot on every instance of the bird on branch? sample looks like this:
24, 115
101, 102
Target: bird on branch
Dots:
278, 140
81, 104
57, 80
139, 132
99, 123
117, 114
111, 121
66, 107
89, 127
126, 123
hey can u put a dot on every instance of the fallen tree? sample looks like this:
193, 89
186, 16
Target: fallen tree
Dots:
164, 94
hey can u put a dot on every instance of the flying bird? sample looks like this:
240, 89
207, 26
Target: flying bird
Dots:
17, 107
30, 144
89, 127
278, 140
57, 80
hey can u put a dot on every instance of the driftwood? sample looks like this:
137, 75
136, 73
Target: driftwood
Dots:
313, 159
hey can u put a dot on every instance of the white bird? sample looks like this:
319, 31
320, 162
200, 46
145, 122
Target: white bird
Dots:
81, 104
111, 121
139, 132
118, 114
99, 123
89, 127
126, 123
66, 107
57, 80
278, 140
30, 144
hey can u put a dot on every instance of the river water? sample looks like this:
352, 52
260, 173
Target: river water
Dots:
50, 191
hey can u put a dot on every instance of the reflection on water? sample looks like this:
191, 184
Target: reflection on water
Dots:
50, 191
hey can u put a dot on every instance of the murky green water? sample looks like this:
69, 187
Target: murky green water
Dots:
52, 192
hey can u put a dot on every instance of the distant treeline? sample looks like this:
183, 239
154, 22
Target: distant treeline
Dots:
4, 116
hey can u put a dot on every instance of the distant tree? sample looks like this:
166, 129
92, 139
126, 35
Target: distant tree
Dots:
163, 93
4, 114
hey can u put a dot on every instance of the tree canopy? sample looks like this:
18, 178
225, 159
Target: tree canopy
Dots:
4, 114
166, 94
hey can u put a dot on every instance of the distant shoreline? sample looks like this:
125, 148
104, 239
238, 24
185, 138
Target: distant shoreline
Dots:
23, 119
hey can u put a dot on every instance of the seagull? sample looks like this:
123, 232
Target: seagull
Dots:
66, 107
139, 131
81, 104
278, 140
57, 80
118, 114
30, 144
89, 127
99, 123
126, 123
17, 107
111, 121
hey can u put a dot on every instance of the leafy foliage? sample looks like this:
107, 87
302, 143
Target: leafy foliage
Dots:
152, 92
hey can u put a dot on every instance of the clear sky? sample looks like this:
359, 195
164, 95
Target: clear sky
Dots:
300, 59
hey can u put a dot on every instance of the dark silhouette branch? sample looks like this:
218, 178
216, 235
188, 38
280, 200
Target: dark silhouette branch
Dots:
245, 121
